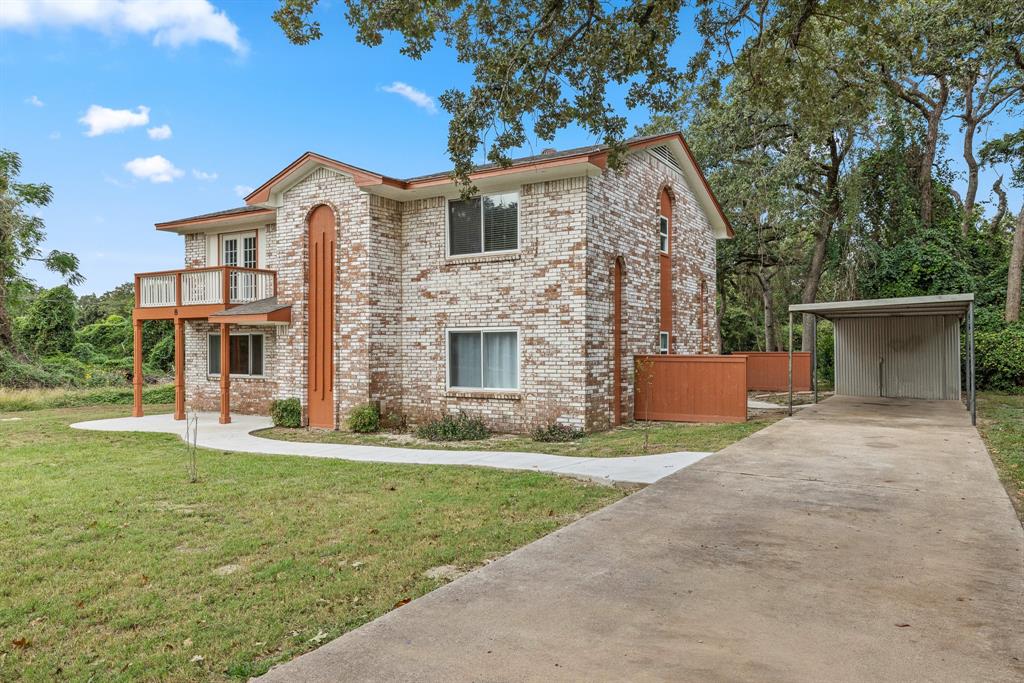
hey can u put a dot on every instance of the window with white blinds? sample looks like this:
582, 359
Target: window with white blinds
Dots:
483, 224
483, 359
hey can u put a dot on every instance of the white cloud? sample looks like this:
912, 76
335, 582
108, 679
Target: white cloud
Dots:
170, 22
159, 133
101, 120
55, 135
35, 101
243, 190
155, 169
203, 175
417, 97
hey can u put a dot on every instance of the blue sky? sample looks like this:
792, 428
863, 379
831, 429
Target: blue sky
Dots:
240, 103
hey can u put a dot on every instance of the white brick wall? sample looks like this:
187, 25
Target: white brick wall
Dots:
396, 293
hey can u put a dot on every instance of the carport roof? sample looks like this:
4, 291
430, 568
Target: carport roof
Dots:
942, 304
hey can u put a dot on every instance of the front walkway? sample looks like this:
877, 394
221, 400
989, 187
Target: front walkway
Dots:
860, 540
236, 436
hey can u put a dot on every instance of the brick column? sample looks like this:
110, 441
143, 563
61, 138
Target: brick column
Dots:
137, 369
225, 373
179, 369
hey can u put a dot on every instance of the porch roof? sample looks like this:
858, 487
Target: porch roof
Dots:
263, 312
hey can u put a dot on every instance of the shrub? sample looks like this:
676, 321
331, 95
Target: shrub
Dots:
459, 427
557, 432
49, 325
999, 357
364, 418
161, 356
286, 412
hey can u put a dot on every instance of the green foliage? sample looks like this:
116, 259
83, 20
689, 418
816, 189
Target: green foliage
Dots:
18, 374
49, 325
161, 356
364, 419
999, 357
41, 399
286, 412
111, 336
118, 301
557, 433
449, 427
826, 353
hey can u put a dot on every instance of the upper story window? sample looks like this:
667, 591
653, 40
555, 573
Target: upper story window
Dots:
663, 234
484, 224
238, 249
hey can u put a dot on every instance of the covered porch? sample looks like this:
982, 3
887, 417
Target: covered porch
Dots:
222, 296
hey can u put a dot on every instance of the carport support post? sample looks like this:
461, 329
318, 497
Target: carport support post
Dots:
814, 357
970, 362
791, 362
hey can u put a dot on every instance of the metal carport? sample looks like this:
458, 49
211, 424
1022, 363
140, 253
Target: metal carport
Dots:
896, 348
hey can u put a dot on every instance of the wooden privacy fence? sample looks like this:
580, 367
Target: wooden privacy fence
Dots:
691, 388
769, 370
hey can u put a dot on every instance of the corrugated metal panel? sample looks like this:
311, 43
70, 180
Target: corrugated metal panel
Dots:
898, 357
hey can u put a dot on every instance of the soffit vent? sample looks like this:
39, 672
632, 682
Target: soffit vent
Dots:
663, 153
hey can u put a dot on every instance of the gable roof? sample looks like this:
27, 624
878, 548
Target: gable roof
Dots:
551, 165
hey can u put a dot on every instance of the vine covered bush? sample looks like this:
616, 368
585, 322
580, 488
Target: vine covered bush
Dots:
286, 412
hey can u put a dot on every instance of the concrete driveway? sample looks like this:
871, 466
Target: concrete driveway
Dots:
861, 540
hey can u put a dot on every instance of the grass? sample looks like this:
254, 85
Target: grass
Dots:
12, 400
1001, 423
665, 437
113, 567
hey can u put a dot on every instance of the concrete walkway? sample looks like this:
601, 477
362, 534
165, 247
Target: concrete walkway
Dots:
236, 437
860, 540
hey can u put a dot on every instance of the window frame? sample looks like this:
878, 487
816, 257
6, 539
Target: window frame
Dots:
483, 229
481, 331
666, 236
664, 342
240, 236
263, 354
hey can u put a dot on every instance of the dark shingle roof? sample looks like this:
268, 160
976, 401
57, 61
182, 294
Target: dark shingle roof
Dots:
268, 305
241, 210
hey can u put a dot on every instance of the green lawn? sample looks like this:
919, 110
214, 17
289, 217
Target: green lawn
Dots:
665, 437
114, 567
1001, 422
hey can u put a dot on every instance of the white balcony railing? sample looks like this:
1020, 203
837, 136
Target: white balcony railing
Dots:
205, 286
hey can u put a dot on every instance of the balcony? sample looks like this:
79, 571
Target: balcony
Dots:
200, 292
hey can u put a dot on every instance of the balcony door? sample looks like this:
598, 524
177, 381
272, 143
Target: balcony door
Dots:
320, 325
238, 249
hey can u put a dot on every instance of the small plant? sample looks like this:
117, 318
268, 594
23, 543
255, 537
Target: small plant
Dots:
286, 412
459, 427
191, 446
557, 432
364, 418
393, 422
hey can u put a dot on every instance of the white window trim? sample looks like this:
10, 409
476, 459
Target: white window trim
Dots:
667, 234
447, 360
240, 235
447, 227
263, 349
664, 342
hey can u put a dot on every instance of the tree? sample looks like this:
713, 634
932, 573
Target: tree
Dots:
49, 326
1009, 149
20, 237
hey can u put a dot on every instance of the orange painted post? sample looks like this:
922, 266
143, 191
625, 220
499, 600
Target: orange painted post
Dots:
226, 284
137, 369
225, 373
179, 369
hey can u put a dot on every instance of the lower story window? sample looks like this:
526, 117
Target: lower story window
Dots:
246, 355
663, 342
483, 359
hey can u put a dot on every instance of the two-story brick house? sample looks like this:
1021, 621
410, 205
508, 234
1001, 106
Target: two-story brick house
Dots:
524, 305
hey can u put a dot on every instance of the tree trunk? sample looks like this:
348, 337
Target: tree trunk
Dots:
1013, 281
830, 212
771, 342
997, 220
931, 143
970, 126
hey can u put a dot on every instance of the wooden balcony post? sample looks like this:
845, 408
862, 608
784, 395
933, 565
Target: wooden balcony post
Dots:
226, 284
179, 369
225, 373
177, 289
138, 292
137, 369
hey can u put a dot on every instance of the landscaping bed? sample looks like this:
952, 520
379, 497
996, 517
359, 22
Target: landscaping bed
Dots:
117, 568
661, 437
